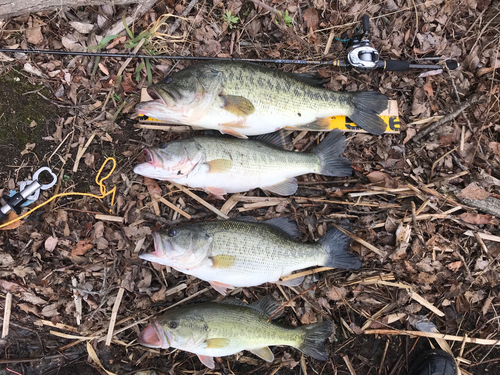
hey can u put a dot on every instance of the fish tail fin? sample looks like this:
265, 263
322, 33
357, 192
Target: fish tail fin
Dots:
313, 343
367, 106
337, 246
328, 152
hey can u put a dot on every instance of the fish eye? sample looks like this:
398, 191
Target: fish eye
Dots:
171, 232
168, 80
173, 325
164, 145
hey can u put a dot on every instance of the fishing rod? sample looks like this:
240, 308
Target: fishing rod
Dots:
361, 55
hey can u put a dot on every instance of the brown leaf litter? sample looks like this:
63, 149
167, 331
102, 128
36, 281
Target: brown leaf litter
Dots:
422, 205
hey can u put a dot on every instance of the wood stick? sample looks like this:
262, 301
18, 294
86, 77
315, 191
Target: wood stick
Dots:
114, 313
6, 314
470, 340
173, 128
172, 206
81, 151
483, 245
56, 325
72, 337
383, 357
230, 203
116, 219
305, 273
425, 131
360, 241
349, 364
200, 200
298, 200
387, 283
484, 236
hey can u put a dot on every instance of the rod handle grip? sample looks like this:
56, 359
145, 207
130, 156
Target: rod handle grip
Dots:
395, 65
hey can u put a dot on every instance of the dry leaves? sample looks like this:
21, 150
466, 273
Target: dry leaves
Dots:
336, 293
495, 146
153, 187
311, 18
381, 179
473, 192
51, 243
476, 219
82, 247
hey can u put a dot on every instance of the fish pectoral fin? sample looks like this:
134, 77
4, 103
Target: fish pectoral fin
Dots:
220, 287
320, 124
292, 282
237, 105
287, 187
216, 192
223, 261
216, 343
219, 165
265, 353
226, 129
207, 361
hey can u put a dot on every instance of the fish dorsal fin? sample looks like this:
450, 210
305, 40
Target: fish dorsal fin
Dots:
287, 225
268, 306
278, 139
310, 79
265, 353
285, 188
246, 219
234, 302
237, 105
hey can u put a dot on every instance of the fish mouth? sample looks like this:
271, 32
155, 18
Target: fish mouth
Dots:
148, 156
155, 95
157, 256
153, 336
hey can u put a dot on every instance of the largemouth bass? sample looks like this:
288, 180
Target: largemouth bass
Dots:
244, 99
234, 253
231, 326
222, 165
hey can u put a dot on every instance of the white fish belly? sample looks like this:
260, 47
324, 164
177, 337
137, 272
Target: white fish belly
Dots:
239, 180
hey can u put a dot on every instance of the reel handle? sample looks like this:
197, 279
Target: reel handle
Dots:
366, 24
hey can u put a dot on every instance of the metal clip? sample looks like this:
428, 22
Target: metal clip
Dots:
36, 194
29, 190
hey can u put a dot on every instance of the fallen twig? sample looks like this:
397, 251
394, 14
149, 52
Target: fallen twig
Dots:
114, 313
361, 241
6, 315
470, 340
425, 131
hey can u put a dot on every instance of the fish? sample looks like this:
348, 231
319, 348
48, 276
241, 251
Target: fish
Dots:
220, 329
222, 165
244, 99
245, 253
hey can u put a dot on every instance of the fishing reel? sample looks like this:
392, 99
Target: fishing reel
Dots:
363, 56
360, 53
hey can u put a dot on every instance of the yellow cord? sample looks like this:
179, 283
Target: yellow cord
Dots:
98, 181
